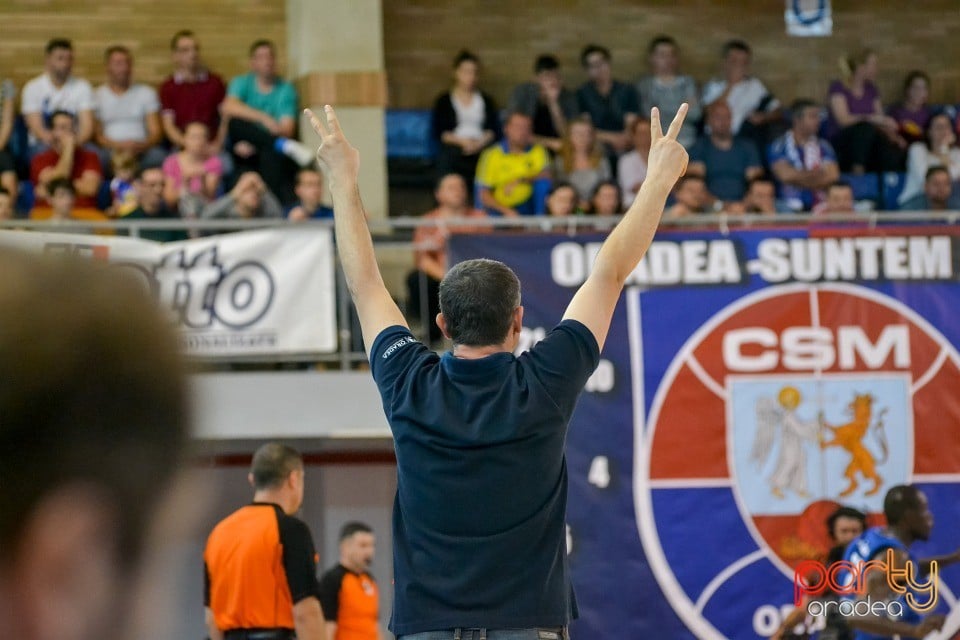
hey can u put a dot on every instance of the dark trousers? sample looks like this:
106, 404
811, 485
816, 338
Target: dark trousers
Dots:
865, 146
450, 159
277, 170
419, 283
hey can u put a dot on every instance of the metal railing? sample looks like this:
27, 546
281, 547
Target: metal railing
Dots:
395, 233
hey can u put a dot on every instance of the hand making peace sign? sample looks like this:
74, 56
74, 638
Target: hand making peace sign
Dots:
339, 158
668, 158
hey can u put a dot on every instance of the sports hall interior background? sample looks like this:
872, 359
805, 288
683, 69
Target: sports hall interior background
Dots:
374, 55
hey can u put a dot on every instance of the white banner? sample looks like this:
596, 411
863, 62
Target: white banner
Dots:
808, 18
256, 293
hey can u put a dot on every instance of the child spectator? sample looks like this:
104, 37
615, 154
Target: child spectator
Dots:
562, 200
62, 204
122, 194
606, 199
309, 190
193, 175
581, 160
939, 150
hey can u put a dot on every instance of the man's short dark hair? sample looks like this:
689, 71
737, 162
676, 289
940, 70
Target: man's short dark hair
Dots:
845, 512
798, 106
116, 48
351, 528
591, 49
58, 184
477, 299
659, 40
546, 62
736, 45
57, 43
272, 465
898, 501
465, 55
263, 42
120, 432
61, 112
839, 184
932, 171
183, 33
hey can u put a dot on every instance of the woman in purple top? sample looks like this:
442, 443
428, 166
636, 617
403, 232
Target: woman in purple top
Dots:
913, 113
865, 138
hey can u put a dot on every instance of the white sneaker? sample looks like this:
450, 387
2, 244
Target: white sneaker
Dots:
299, 152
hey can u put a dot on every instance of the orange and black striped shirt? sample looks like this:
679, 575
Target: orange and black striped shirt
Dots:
259, 562
352, 601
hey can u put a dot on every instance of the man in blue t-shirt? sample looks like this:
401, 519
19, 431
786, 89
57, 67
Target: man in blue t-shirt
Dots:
725, 162
908, 520
262, 111
479, 545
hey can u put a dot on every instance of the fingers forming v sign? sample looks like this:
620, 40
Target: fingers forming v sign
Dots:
667, 156
335, 153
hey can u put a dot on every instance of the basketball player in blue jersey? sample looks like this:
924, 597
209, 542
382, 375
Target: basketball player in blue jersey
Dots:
908, 520
479, 542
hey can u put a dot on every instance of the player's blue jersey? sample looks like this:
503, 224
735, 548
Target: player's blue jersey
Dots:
872, 545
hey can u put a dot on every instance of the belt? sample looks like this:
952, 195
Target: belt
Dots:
258, 634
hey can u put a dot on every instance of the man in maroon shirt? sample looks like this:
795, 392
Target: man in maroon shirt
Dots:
66, 159
191, 93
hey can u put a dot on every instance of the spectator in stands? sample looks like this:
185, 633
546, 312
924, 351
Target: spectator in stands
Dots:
581, 160
937, 193
56, 90
666, 89
866, 139
755, 111
310, 193
632, 166
464, 120
66, 159
939, 150
6, 204
123, 196
262, 108
191, 93
511, 174
839, 199
761, 197
127, 114
62, 204
562, 200
725, 162
803, 164
606, 199
431, 253
148, 185
550, 104
913, 113
194, 175
690, 196
249, 198
8, 170
611, 104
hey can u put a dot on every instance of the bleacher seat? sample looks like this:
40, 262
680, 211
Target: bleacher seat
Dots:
865, 186
25, 198
892, 183
411, 150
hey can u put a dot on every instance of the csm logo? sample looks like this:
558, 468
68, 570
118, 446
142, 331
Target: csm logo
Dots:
202, 290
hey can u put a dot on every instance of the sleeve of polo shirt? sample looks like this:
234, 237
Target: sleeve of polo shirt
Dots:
484, 174
564, 360
299, 559
394, 351
238, 89
287, 103
330, 593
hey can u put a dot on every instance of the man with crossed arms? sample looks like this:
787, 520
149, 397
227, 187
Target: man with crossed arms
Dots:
479, 515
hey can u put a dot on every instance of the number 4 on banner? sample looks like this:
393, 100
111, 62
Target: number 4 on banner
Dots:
599, 475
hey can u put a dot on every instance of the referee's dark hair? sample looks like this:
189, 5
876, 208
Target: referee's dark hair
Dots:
477, 299
351, 528
272, 464
93, 398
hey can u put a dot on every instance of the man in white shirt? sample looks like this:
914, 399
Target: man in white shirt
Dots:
56, 90
749, 99
127, 114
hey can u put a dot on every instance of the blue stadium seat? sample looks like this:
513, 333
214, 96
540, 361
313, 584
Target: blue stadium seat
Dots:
409, 134
865, 186
25, 198
892, 188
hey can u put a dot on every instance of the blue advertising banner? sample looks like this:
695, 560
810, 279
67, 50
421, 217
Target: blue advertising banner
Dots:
752, 381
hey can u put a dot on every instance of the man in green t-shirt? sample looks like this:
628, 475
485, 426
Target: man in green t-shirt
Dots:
262, 111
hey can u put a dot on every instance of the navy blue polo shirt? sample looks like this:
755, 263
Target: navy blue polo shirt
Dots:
479, 537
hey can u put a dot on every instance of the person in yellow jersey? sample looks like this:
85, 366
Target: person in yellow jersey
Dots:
513, 176
348, 592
